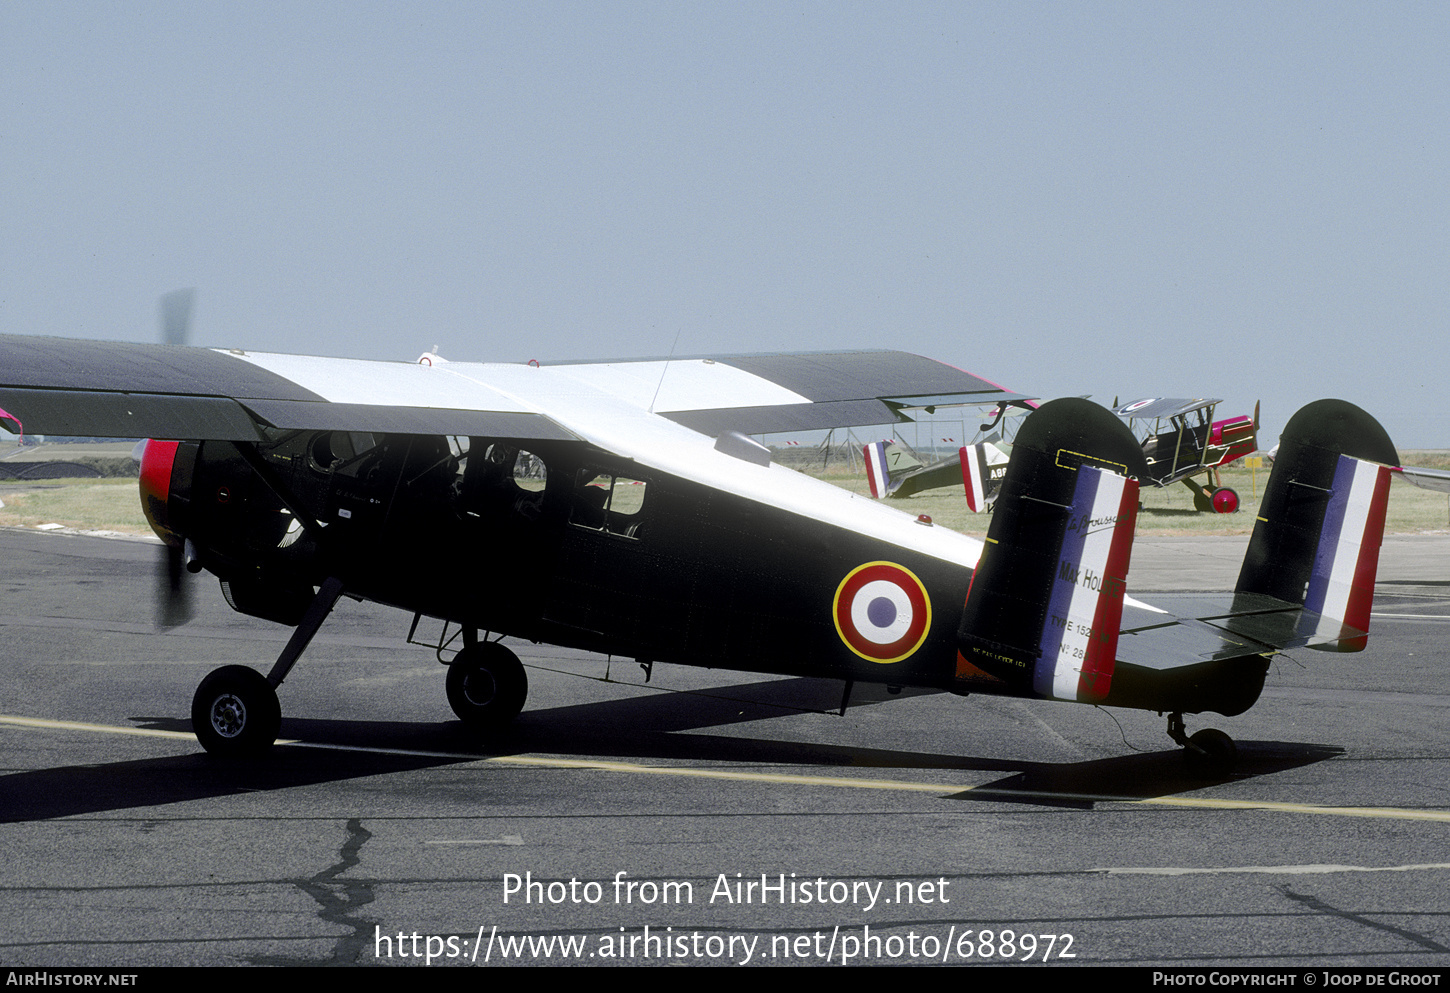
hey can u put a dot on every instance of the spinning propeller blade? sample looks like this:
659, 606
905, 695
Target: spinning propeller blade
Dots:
176, 316
173, 593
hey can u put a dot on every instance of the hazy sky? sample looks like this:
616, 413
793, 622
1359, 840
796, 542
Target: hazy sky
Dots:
1238, 200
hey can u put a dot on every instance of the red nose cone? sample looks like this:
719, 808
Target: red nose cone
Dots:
156, 464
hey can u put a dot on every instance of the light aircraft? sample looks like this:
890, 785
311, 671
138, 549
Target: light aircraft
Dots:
1181, 441
621, 508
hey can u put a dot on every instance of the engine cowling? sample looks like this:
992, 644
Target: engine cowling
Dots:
166, 471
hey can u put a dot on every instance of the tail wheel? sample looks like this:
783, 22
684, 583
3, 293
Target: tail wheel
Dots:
1224, 500
1210, 754
235, 712
487, 685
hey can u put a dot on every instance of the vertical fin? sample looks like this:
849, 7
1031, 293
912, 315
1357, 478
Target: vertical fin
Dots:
1045, 602
1316, 541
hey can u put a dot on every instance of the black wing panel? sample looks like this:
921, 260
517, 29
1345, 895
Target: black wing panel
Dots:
845, 389
100, 414
65, 386
828, 376
127, 367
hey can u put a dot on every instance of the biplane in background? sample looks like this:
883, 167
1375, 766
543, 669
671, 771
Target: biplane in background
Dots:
1181, 442
894, 470
621, 508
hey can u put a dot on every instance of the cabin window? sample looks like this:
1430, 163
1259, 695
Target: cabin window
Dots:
607, 502
498, 477
331, 449
530, 472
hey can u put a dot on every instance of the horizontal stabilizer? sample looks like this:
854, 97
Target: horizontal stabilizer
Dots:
1429, 479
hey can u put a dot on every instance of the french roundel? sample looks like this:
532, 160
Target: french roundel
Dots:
882, 612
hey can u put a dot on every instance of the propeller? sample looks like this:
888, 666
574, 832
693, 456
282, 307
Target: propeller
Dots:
176, 316
173, 593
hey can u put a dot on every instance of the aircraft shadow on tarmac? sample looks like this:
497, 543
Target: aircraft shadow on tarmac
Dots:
631, 729
1139, 776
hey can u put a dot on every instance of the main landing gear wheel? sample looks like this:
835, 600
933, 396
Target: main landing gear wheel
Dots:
487, 685
235, 712
1224, 500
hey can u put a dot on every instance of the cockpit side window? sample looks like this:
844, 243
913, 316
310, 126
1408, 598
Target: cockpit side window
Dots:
530, 473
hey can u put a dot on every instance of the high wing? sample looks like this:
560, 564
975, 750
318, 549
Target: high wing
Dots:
768, 393
674, 415
74, 387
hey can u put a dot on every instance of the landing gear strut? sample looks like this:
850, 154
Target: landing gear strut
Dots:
1209, 754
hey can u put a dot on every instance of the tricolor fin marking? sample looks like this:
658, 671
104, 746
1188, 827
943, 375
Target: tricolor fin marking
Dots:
876, 472
1080, 633
1341, 586
974, 476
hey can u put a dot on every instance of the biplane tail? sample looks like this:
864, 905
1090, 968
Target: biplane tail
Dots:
878, 471
1046, 600
977, 476
1316, 542
1238, 436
